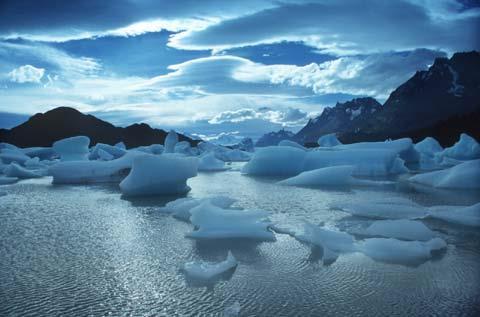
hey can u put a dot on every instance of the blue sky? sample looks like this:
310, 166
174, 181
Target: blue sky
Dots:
206, 67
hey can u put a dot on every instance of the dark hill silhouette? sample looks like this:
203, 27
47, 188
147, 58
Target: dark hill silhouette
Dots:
43, 129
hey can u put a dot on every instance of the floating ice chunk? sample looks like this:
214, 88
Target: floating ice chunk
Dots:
7, 180
328, 140
84, 172
232, 310
170, 141
366, 162
292, 144
329, 176
213, 222
9, 155
34, 163
467, 148
163, 175
15, 170
403, 147
155, 149
428, 146
100, 149
104, 155
467, 216
43, 153
331, 242
398, 251
209, 271
180, 208
209, 162
183, 147
121, 145
246, 144
5, 145
234, 155
465, 176
383, 209
399, 229
276, 160
72, 149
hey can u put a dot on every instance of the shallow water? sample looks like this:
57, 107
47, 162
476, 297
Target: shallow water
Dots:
84, 250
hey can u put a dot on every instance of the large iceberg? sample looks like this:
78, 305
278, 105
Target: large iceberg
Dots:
467, 216
399, 251
84, 172
213, 222
366, 162
209, 163
463, 176
428, 146
400, 229
162, 175
170, 141
15, 170
72, 149
180, 208
383, 209
403, 147
9, 155
329, 176
43, 153
209, 271
328, 140
467, 148
276, 160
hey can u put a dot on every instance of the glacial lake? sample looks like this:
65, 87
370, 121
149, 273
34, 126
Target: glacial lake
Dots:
83, 250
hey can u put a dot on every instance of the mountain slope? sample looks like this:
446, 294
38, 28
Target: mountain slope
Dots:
44, 129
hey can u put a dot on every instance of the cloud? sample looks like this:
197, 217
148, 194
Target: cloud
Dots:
373, 75
346, 27
26, 74
287, 117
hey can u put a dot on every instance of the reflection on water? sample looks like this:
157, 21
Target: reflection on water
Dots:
85, 250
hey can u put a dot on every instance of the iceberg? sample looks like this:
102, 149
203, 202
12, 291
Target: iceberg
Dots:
330, 176
292, 144
209, 271
467, 148
366, 162
15, 170
43, 153
331, 242
428, 146
4, 180
184, 147
466, 216
383, 209
170, 141
232, 310
463, 176
121, 145
106, 152
9, 155
34, 163
276, 160
2, 193
403, 147
86, 172
399, 229
213, 222
72, 149
180, 208
210, 163
328, 140
400, 252
162, 175
155, 149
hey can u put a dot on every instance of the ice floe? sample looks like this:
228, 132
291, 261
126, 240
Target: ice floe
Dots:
210, 163
462, 176
161, 174
106, 152
328, 140
9, 155
330, 176
399, 229
72, 149
276, 160
181, 207
202, 270
15, 170
213, 222
463, 215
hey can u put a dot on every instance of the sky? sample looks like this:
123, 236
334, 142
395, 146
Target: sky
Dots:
215, 66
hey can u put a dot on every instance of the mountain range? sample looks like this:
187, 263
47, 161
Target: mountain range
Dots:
43, 129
